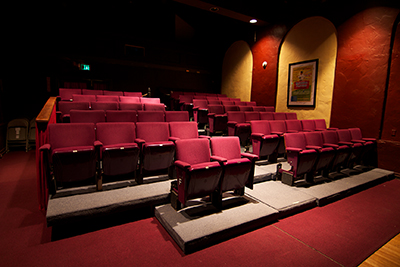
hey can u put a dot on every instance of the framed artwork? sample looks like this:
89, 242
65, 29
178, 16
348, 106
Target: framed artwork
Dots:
302, 83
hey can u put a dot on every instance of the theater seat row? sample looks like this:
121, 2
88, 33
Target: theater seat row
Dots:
66, 94
80, 151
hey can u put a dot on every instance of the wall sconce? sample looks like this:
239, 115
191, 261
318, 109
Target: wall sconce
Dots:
264, 64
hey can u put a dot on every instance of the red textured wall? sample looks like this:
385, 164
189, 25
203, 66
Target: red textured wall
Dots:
362, 61
391, 124
264, 80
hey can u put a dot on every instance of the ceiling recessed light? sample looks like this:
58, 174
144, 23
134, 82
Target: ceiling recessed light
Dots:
214, 9
253, 21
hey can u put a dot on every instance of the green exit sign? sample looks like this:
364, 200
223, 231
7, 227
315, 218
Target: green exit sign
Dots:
85, 67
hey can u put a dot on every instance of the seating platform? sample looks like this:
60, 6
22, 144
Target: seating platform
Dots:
199, 224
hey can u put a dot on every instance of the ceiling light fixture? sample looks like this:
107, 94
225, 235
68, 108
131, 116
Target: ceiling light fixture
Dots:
214, 9
253, 21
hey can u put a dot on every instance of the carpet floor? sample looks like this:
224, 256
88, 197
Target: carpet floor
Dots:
342, 233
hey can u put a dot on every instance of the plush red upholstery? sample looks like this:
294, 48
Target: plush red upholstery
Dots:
343, 152
137, 94
150, 116
107, 98
293, 126
267, 115
121, 116
65, 94
93, 116
200, 110
116, 93
85, 98
217, 119
345, 138
326, 155
370, 154
65, 107
197, 175
264, 142
130, 106
91, 92
119, 152
251, 116
152, 106
176, 115
71, 154
245, 108
129, 99
104, 105
152, 100
279, 127
157, 152
238, 126
183, 130
291, 116
301, 159
238, 167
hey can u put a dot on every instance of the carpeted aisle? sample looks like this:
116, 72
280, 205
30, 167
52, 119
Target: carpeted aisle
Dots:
350, 230
342, 233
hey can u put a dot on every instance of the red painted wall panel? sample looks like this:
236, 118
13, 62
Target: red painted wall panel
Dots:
362, 61
264, 80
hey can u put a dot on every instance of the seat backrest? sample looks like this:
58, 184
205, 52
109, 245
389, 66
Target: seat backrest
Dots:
344, 135
237, 116
228, 108
129, 99
267, 115
260, 126
183, 129
176, 116
152, 131
137, 94
214, 102
104, 105
66, 93
330, 137
308, 125
91, 92
83, 116
314, 138
251, 103
186, 98
296, 140
279, 116
184, 150
227, 147
130, 106
153, 100
200, 103
293, 125
216, 109
65, 107
115, 132
251, 115
152, 106
150, 116
278, 126
121, 116
320, 124
108, 98
227, 102
355, 133
85, 98
270, 109
71, 134
116, 93
291, 116
245, 108
258, 108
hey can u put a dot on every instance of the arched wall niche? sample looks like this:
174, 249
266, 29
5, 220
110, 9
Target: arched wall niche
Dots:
237, 71
312, 38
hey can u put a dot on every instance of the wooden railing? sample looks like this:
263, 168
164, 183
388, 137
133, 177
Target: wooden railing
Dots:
46, 116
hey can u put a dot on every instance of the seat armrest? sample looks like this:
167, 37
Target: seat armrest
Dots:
45, 147
210, 115
330, 145
345, 143
140, 142
278, 133
294, 149
181, 164
219, 159
97, 143
292, 131
205, 136
232, 123
252, 157
369, 139
257, 135
173, 139
318, 148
